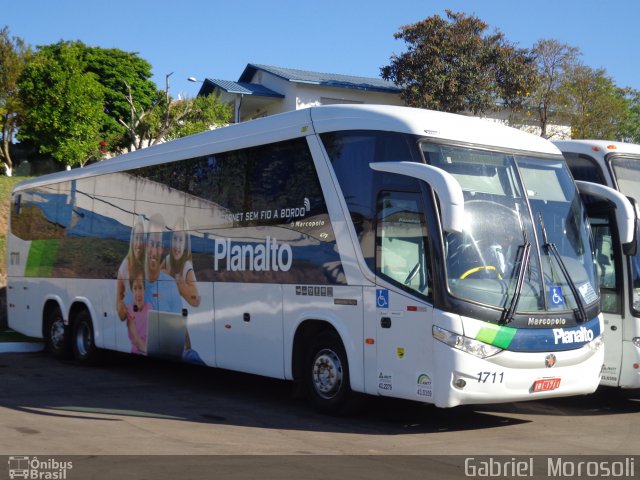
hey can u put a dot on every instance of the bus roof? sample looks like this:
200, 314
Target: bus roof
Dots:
321, 119
595, 147
428, 123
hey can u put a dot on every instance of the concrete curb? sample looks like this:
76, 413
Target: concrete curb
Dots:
20, 347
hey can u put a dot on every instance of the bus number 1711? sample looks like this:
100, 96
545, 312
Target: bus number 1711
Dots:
490, 377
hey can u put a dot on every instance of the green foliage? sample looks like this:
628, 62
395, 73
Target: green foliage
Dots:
13, 55
168, 119
203, 113
64, 112
117, 71
78, 94
452, 65
554, 63
599, 109
631, 126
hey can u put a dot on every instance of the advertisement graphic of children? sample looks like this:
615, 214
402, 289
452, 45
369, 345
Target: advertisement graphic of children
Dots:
179, 264
135, 258
161, 289
138, 312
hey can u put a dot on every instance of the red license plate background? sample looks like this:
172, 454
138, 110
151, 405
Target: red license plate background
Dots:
546, 384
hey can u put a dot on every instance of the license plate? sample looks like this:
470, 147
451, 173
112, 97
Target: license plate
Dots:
546, 384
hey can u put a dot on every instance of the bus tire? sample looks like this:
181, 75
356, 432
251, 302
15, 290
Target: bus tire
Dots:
57, 335
326, 375
84, 347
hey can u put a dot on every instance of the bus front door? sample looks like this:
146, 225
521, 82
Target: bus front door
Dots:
608, 260
404, 316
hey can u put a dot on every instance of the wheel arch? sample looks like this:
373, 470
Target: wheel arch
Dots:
305, 331
311, 326
80, 304
50, 303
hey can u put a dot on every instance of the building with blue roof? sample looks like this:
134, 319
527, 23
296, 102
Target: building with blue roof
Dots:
265, 90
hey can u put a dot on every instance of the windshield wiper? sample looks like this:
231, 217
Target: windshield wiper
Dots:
522, 262
524, 253
551, 247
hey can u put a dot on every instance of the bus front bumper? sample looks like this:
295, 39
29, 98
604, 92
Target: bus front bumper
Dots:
515, 376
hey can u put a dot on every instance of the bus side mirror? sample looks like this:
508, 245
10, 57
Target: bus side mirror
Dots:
631, 248
626, 213
445, 186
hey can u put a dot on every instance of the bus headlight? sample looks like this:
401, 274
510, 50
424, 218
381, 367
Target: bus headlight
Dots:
466, 344
636, 341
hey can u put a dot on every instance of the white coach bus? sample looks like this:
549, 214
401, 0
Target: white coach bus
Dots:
353, 249
616, 165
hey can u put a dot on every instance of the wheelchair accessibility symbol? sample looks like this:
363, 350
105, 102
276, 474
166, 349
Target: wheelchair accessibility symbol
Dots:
556, 297
382, 298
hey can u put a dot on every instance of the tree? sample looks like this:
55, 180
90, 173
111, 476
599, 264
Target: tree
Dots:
13, 55
120, 73
631, 127
203, 113
554, 61
598, 107
64, 104
168, 119
452, 65
111, 75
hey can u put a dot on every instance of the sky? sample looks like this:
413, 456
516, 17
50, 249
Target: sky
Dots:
217, 39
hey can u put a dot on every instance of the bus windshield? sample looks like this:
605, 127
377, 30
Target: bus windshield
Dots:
525, 246
627, 173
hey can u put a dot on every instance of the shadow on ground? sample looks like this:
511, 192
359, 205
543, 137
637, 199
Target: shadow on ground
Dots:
135, 386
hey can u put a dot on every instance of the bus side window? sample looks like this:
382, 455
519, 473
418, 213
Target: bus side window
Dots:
584, 168
606, 264
401, 239
20, 226
17, 201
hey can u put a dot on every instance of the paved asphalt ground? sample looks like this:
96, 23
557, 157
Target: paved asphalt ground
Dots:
139, 406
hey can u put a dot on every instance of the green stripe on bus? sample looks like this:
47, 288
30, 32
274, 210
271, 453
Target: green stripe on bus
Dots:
42, 256
496, 335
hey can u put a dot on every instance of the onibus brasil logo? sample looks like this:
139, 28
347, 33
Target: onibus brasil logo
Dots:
37, 469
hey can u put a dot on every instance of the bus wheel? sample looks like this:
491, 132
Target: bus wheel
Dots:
57, 335
84, 347
327, 375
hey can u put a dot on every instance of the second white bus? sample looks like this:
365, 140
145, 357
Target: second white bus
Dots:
616, 165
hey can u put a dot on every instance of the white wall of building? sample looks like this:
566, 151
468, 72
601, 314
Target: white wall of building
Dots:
299, 95
311, 96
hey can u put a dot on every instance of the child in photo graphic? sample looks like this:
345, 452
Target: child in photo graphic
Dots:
135, 259
178, 263
138, 313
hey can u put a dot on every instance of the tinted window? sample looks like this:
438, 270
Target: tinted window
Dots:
41, 213
271, 192
584, 168
402, 242
265, 185
606, 263
351, 153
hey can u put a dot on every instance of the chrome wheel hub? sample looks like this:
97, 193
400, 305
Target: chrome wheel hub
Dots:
83, 339
56, 333
327, 374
